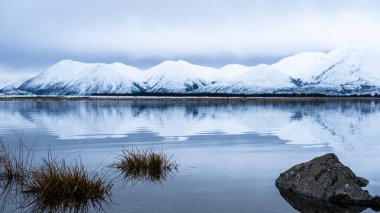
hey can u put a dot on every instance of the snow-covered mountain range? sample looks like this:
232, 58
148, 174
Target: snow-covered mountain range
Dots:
345, 71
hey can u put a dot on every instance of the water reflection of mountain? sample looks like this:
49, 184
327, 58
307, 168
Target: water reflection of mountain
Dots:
333, 123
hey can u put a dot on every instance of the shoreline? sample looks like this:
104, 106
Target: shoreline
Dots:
189, 98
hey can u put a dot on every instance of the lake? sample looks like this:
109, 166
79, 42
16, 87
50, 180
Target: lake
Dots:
229, 152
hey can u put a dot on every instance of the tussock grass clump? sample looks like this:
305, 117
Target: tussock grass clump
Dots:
59, 186
15, 164
51, 185
145, 165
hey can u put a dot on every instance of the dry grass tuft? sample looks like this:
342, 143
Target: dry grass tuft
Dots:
145, 165
58, 186
16, 164
52, 185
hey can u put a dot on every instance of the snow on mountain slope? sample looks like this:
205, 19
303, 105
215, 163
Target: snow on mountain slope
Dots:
69, 77
297, 66
55, 78
101, 79
3, 82
345, 71
259, 79
9, 85
231, 71
62, 71
131, 72
13, 81
355, 66
177, 76
266, 77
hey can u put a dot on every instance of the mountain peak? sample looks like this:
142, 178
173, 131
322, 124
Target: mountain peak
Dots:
308, 72
170, 63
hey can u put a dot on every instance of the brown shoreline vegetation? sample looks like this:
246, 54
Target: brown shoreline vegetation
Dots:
16, 164
54, 185
190, 98
50, 186
145, 165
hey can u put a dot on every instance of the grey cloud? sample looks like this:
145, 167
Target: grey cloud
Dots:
143, 32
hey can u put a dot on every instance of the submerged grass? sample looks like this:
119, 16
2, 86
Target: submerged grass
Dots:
61, 186
145, 165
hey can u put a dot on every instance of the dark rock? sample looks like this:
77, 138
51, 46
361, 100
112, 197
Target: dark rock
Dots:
362, 182
326, 178
312, 205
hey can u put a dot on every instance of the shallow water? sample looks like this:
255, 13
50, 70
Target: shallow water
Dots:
230, 153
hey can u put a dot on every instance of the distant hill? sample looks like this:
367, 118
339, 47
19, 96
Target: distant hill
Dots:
342, 72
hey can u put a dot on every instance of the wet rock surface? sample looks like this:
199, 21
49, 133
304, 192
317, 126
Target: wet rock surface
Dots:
311, 205
325, 178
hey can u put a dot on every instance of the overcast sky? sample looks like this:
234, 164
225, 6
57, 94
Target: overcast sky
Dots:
38, 33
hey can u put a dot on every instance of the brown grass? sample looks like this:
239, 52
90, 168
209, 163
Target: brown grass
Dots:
145, 165
16, 164
51, 186
59, 186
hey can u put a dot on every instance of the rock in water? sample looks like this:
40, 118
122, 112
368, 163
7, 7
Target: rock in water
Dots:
310, 205
326, 178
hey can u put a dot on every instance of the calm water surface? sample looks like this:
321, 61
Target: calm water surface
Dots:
230, 153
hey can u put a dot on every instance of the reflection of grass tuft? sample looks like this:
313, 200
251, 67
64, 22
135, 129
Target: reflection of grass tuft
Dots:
145, 165
59, 186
